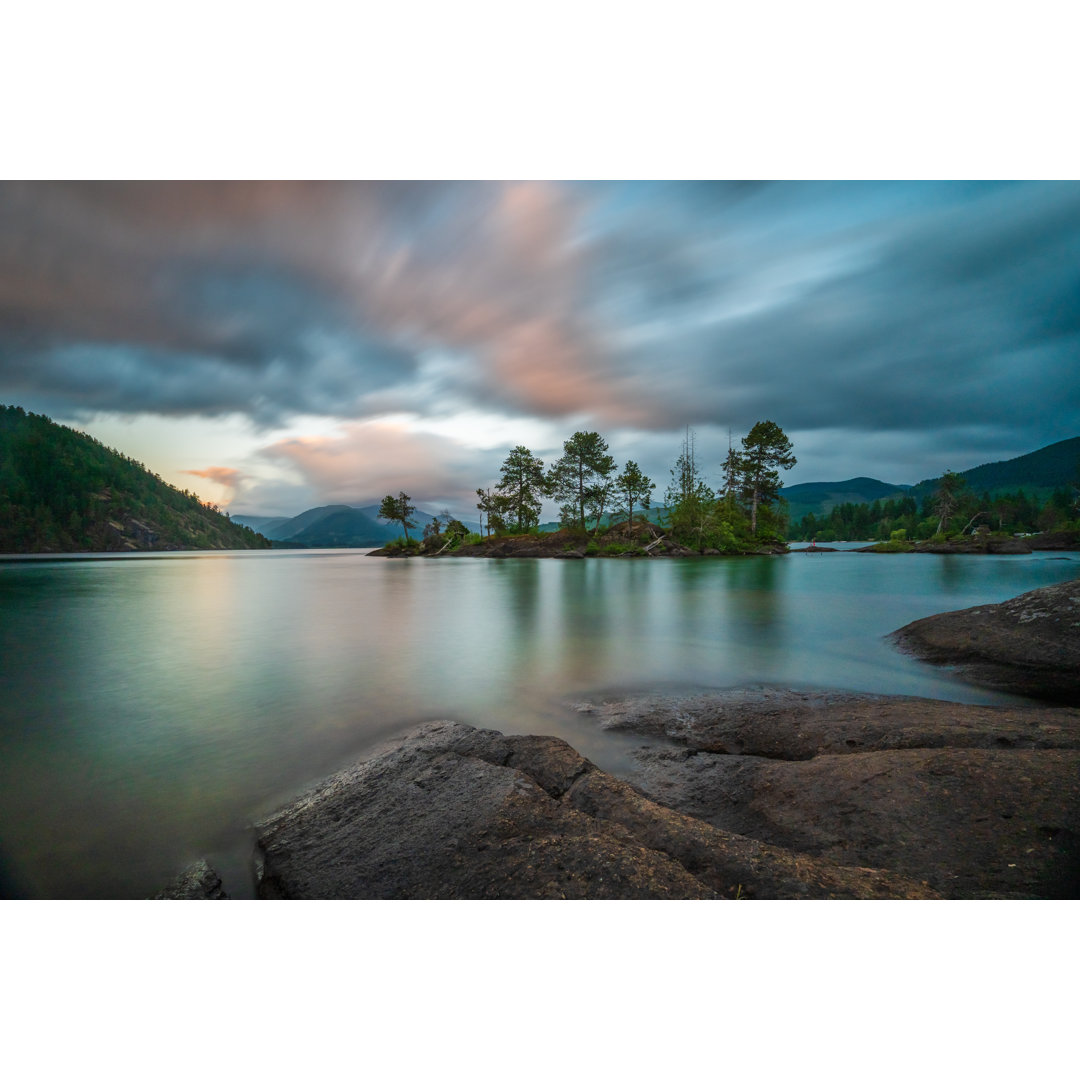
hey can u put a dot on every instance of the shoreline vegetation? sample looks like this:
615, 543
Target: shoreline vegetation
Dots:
606, 512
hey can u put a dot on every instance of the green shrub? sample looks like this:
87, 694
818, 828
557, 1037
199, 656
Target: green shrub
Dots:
894, 545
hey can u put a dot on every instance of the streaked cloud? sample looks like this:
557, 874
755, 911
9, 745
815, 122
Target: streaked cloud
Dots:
945, 315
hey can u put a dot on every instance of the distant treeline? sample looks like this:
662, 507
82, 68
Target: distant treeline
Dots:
948, 509
62, 490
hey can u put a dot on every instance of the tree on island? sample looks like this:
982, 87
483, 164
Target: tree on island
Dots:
581, 479
733, 467
947, 498
484, 503
633, 489
688, 498
522, 486
399, 509
766, 450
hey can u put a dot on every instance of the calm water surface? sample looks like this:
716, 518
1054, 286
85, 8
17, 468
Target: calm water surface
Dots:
152, 706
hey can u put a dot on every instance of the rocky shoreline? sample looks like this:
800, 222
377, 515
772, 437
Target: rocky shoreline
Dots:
1029, 645
980, 543
648, 541
758, 793
644, 540
751, 793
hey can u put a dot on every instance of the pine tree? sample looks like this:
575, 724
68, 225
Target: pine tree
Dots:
581, 479
766, 450
523, 485
634, 489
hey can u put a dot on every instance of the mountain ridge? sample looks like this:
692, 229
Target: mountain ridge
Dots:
1037, 472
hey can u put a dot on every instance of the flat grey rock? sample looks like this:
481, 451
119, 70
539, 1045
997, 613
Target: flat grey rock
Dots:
978, 801
455, 812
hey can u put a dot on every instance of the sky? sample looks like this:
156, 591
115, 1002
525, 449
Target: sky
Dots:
275, 346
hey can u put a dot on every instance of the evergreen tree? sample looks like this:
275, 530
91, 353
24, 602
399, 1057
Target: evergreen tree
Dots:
523, 485
687, 482
485, 502
766, 450
399, 509
946, 498
581, 479
634, 489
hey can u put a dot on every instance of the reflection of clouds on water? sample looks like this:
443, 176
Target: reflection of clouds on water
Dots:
151, 707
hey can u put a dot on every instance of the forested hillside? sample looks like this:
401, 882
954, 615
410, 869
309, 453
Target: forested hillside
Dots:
61, 490
1039, 473
1036, 492
820, 497
949, 508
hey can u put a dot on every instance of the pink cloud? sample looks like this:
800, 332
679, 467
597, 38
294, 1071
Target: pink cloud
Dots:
372, 459
220, 474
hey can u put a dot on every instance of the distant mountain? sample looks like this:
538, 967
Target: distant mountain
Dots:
336, 526
264, 525
61, 490
819, 498
654, 514
419, 516
344, 527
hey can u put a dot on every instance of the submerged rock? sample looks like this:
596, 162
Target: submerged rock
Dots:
200, 881
455, 812
978, 801
1029, 645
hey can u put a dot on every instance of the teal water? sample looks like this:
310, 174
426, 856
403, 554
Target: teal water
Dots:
152, 706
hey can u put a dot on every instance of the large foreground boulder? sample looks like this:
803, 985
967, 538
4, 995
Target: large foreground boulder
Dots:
455, 812
978, 801
1029, 645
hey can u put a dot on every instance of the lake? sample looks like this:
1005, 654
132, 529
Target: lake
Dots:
153, 705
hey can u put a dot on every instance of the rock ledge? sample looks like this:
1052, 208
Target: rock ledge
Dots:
456, 812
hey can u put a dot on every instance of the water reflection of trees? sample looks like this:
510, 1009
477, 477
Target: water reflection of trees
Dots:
756, 591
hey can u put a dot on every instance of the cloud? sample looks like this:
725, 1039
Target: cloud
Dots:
370, 459
220, 474
226, 476
945, 311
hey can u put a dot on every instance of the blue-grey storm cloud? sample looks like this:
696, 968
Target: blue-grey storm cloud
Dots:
948, 311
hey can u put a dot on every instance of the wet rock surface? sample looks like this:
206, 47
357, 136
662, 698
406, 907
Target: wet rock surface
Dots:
978, 801
199, 881
1029, 645
456, 812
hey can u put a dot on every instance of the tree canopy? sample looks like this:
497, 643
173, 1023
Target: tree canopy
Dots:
398, 509
633, 488
522, 485
766, 450
581, 480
